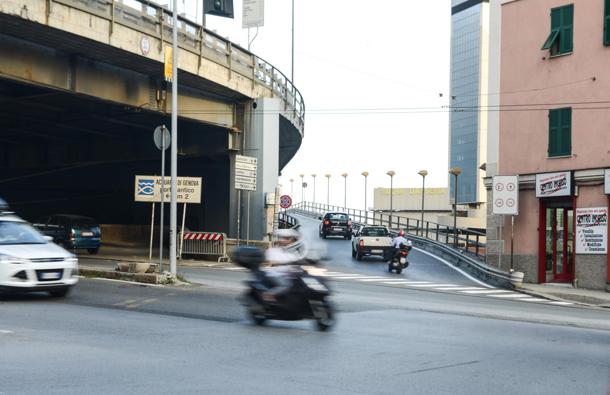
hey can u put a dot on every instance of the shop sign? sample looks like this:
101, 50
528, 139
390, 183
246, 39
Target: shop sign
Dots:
607, 181
592, 230
554, 184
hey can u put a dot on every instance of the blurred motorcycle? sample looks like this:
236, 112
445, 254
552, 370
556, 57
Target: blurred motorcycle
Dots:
399, 261
289, 292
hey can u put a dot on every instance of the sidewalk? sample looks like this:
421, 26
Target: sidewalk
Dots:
566, 292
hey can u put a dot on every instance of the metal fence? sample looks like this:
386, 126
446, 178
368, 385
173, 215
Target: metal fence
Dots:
204, 243
287, 221
467, 240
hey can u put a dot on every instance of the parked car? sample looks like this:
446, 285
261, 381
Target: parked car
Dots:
72, 231
30, 262
370, 241
336, 224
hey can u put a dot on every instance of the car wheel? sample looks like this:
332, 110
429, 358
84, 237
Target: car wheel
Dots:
353, 253
93, 251
349, 236
390, 267
323, 235
59, 293
358, 256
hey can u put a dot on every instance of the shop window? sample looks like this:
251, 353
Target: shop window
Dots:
561, 41
560, 132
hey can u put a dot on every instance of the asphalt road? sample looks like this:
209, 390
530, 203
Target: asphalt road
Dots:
110, 337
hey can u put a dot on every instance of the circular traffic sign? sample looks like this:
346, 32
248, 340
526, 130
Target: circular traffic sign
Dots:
162, 137
285, 201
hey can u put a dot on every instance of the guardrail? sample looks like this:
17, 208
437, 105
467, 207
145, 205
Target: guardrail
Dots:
156, 21
467, 240
287, 221
204, 243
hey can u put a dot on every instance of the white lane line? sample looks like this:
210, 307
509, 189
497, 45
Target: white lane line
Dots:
431, 285
397, 279
346, 277
342, 274
561, 303
371, 279
459, 288
419, 282
511, 295
5, 332
396, 282
485, 292
535, 300
455, 268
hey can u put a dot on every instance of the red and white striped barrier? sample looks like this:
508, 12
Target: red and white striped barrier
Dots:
203, 236
204, 243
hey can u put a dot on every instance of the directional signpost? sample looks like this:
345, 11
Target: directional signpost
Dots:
245, 179
506, 202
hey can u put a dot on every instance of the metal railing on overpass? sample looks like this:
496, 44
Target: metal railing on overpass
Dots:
466, 240
156, 20
469, 254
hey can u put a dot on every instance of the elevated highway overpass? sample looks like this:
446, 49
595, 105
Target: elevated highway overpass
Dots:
82, 89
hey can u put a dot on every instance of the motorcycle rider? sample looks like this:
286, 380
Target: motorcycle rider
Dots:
396, 243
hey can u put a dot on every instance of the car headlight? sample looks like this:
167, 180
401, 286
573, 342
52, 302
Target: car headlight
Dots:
72, 259
12, 259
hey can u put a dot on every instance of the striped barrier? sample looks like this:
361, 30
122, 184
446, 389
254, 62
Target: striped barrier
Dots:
204, 243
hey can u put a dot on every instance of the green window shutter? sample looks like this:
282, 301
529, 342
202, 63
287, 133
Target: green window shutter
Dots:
553, 132
607, 23
551, 39
566, 42
565, 142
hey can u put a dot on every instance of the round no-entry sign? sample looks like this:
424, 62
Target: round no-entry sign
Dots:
285, 201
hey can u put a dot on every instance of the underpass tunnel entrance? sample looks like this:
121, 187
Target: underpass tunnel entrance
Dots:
66, 153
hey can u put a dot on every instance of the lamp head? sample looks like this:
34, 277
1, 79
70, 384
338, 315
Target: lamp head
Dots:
344, 175
391, 173
456, 171
423, 173
365, 173
327, 175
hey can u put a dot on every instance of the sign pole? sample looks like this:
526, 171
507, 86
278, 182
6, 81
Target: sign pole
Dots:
512, 233
152, 230
174, 147
182, 231
238, 216
248, 220
162, 202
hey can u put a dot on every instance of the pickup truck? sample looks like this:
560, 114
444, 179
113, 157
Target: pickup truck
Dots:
371, 240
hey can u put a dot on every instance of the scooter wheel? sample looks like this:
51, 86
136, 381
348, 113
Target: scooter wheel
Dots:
390, 268
327, 322
257, 317
398, 271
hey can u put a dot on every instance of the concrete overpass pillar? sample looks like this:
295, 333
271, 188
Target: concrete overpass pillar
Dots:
261, 139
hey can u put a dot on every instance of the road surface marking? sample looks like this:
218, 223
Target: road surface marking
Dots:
432, 285
534, 300
125, 302
5, 332
561, 303
459, 288
347, 277
396, 282
491, 291
510, 295
454, 268
371, 279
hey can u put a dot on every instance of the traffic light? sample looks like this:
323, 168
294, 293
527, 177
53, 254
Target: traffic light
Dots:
222, 8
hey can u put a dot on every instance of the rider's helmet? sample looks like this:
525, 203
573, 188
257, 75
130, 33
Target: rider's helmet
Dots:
401, 233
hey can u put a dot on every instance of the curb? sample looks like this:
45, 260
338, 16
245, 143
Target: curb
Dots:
145, 278
577, 299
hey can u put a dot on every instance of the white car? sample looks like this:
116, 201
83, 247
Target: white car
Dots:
370, 241
30, 262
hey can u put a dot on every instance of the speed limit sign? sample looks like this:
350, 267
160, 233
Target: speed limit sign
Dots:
285, 201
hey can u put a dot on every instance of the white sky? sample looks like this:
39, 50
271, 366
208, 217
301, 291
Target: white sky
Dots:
354, 55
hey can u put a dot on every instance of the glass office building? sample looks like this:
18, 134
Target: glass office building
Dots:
468, 125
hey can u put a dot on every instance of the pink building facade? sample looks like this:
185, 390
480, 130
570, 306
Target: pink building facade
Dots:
554, 133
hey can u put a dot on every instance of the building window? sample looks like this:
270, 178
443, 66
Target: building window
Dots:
560, 40
560, 132
607, 23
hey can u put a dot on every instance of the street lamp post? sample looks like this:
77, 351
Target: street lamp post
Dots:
292, 188
391, 173
344, 175
455, 171
423, 174
314, 188
327, 189
302, 188
366, 217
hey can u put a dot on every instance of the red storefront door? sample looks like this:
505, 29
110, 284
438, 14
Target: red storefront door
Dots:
557, 242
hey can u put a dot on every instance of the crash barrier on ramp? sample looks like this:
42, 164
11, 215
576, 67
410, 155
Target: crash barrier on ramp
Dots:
204, 243
287, 221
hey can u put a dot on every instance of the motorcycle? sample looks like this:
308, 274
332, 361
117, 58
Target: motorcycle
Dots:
399, 261
296, 294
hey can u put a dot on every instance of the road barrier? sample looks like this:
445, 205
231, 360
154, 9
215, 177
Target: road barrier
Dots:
204, 243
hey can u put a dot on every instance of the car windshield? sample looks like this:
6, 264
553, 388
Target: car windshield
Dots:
337, 217
83, 222
19, 233
375, 232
